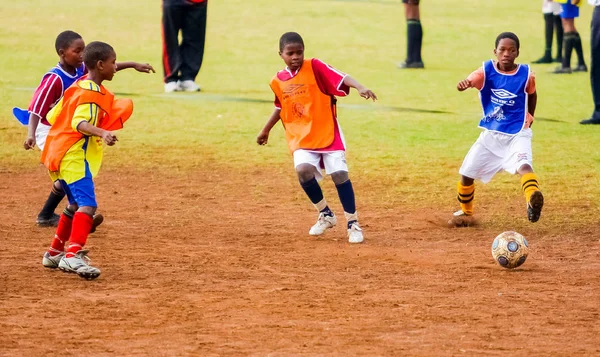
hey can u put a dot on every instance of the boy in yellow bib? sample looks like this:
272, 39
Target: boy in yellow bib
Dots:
305, 100
81, 121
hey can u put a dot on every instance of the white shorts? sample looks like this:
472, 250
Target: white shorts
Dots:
40, 135
494, 152
331, 161
551, 7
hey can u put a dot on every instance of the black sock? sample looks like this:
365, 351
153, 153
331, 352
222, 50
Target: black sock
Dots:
548, 31
414, 34
578, 49
51, 203
559, 36
346, 194
418, 42
569, 42
313, 190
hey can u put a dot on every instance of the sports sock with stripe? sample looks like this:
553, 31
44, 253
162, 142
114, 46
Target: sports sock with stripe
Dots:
82, 224
529, 184
465, 197
63, 232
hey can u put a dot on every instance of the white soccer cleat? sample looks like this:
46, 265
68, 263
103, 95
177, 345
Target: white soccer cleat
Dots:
172, 87
78, 264
323, 223
51, 262
189, 86
355, 234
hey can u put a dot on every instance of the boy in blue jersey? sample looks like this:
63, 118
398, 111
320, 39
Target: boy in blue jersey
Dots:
508, 97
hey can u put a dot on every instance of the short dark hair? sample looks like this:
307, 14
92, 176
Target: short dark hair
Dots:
96, 51
290, 37
64, 39
509, 35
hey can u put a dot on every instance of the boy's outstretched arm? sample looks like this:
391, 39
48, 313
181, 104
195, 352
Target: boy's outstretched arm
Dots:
532, 103
464, 84
263, 136
362, 90
140, 67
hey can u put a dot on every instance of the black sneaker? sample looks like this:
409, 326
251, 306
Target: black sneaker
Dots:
405, 65
544, 59
590, 121
580, 68
534, 206
562, 70
48, 222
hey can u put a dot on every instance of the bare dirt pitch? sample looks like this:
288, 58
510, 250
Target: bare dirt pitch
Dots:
204, 264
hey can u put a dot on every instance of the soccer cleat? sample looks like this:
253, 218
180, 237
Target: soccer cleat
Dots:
189, 86
562, 70
544, 59
323, 223
590, 121
79, 264
406, 65
50, 261
355, 234
172, 87
98, 219
461, 219
580, 68
534, 206
48, 222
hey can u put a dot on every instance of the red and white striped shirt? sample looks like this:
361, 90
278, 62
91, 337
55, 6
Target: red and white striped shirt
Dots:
47, 94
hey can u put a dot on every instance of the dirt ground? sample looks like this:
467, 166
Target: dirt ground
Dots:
208, 264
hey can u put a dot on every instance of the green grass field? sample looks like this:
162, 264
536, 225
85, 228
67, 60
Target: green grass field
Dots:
404, 151
396, 138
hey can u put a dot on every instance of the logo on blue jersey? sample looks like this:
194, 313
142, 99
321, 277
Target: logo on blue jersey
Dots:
503, 93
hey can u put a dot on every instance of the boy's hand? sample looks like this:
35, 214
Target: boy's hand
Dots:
262, 138
144, 67
29, 143
464, 84
367, 93
575, 2
109, 138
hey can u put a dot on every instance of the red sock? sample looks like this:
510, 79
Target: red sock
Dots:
63, 232
82, 224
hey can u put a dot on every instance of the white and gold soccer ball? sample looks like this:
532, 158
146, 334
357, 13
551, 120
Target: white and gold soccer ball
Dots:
510, 249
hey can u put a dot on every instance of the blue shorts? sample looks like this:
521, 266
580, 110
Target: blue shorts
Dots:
80, 192
569, 11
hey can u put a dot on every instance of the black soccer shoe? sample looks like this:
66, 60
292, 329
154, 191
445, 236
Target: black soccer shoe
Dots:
534, 206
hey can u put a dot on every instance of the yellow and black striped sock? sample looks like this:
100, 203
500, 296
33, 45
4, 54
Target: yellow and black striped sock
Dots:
465, 197
530, 184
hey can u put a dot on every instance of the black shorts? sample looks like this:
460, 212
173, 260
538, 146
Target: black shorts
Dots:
413, 2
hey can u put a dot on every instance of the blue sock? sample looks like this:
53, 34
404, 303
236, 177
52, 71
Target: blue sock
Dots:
314, 192
346, 193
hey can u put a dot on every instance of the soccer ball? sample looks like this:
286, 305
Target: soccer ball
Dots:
510, 249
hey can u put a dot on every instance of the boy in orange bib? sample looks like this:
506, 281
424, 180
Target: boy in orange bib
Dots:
305, 100
81, 121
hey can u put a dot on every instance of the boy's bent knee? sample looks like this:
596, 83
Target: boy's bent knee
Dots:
306, 172
89, 210
339, 177
525, 169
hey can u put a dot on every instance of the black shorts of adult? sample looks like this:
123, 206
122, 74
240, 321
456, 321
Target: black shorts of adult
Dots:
412, 2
